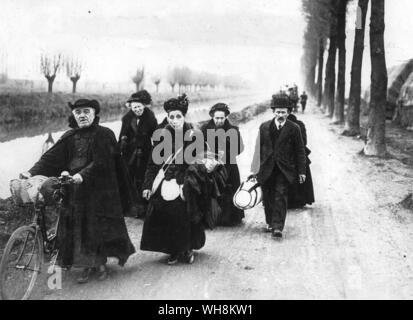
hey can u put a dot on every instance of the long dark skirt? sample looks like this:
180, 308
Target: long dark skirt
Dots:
168, 228
300, 195
137, 175
230, 215
86, 240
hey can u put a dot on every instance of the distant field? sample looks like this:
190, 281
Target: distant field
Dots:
21, 108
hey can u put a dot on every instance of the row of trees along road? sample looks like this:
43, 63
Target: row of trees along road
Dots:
190, 80
183, 77
326, 26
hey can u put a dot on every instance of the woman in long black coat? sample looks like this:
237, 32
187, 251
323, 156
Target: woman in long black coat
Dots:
91, 225
138, 125
169, 227
300, 195
230, 215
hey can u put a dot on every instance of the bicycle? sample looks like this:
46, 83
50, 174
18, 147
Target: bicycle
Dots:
27, 247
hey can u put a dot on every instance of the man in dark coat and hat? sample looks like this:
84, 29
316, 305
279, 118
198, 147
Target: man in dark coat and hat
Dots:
230, 143
91, 225
138, 126
279, 160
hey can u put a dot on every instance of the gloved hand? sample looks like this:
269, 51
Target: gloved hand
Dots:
146, 194
77, 178
252, 177
25, 175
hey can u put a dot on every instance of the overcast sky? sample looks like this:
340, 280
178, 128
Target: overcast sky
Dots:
257, 39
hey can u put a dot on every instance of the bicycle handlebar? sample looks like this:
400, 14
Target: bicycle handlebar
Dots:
65, 178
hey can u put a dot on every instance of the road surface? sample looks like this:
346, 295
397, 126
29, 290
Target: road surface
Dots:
353, 243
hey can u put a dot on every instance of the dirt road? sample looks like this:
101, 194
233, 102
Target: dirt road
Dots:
354, 243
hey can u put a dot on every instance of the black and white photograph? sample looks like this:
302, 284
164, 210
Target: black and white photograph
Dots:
206, 151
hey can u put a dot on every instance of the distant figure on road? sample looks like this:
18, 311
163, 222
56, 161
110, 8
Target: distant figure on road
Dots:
219, 113
279, 160
300, 195
293, 96
135, 142
303, 100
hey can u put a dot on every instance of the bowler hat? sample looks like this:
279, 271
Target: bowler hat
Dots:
85, 103
280, 100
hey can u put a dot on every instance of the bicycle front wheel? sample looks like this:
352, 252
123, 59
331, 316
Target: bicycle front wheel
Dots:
21, 263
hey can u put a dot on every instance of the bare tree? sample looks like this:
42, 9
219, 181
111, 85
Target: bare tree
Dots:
156, 80
338, 115
318, 17
330, 72
139, 78
49, 67
321, 49
353, 114
172, 78
376, 128
73, 71
3, 68
183, 77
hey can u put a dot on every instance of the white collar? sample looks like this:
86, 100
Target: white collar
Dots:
279, 125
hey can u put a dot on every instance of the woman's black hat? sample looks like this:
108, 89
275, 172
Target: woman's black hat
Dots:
220, 107
142, 96
181, 103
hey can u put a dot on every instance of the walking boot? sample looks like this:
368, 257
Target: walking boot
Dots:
173, 259
189, 257
277, 234
84, 277
102, 273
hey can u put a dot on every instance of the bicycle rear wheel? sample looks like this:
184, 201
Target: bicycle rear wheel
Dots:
21, 263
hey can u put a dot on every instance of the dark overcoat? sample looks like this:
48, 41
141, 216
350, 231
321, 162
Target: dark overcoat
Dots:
163, 123
230, 215
91, 222
136, 145
301, 194
288, 153
169, 227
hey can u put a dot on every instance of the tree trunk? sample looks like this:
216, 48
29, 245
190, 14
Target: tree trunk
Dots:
172, 87
74, 86
376, 130
330, 80
338, 116
50, 80
320, 72
138, 85
157, 88
353, 114
312, 84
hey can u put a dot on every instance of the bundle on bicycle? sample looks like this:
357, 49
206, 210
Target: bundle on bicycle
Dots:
91, 225
30, 245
